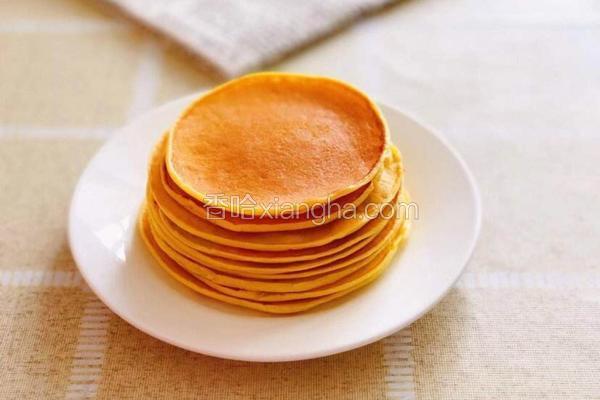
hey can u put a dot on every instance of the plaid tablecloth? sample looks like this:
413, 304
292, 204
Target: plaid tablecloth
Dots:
514, 85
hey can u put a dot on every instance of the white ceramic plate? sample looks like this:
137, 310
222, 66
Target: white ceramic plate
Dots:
114, 262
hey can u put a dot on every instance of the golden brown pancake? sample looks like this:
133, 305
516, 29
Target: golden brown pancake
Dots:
281, 286
318, 215
181, 275
347, 281
284, 270
386, 183
278, 138
338, 248
356, 279
269, 193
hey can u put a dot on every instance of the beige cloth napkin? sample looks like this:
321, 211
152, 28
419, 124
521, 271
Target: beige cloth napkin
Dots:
236, 35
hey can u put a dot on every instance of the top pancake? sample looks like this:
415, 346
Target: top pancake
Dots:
279, 139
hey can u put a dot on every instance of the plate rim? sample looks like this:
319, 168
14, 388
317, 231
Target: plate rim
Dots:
473, 192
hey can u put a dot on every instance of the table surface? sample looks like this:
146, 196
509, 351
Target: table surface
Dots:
513, 85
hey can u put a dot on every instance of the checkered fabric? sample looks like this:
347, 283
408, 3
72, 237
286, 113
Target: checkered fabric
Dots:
513, 85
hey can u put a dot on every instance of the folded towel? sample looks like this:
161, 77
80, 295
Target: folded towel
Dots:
236, 35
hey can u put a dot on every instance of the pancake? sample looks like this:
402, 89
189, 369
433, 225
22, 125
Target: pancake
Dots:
275, 192
386, 183
356, 279
280, 139
184, 277
353, 278
338, 248
282, 286
368, 231
317, 216
284, 270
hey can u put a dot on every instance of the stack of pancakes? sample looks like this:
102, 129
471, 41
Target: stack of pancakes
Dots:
276, 192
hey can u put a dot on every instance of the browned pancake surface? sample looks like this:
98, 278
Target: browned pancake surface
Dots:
294, 138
